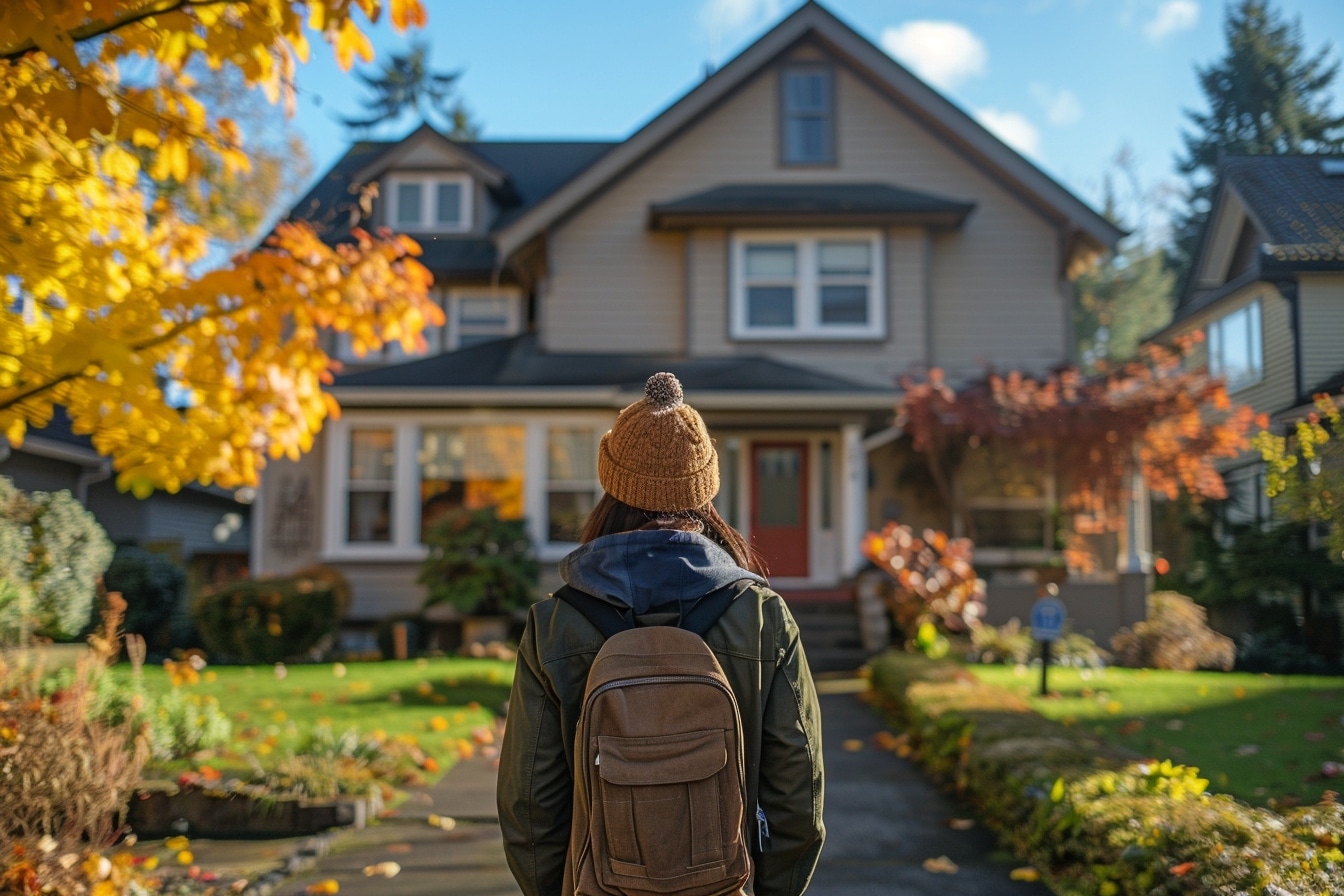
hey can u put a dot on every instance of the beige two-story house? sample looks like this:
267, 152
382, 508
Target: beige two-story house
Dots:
801, 228
1267, 289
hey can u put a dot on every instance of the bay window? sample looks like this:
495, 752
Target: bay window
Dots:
394, 476
825, 285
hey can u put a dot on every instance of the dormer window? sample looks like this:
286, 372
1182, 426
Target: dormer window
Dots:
429, 203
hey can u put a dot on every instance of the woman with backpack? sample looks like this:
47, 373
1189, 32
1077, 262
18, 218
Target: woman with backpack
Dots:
663, 733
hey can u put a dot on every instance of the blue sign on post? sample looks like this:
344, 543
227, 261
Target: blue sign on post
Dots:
1047, 619
1047, 625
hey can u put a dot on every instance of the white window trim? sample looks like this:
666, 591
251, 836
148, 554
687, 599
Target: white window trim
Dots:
807, 293
429, 199
1257, 374
407, 428
452, 306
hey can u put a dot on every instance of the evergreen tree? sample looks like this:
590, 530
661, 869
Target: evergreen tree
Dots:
1126, 296
1265, 95
406, 83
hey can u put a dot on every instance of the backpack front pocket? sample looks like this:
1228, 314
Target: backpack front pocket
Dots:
661, 804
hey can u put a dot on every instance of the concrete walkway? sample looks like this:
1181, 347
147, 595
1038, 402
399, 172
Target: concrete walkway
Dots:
883, 818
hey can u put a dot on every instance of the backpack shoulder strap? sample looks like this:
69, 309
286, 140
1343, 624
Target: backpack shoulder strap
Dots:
610, 619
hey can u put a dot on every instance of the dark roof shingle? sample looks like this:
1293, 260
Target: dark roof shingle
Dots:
1297, 199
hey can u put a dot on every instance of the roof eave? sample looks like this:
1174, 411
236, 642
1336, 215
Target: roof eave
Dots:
602, 397
686, 220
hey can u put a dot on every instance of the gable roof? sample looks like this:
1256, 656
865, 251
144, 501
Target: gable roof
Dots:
943, 118
1296, 200
528, 172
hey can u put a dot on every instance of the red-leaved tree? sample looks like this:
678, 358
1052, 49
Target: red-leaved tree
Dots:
1158, 416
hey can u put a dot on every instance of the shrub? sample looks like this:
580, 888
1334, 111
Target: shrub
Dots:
1093, 818
1008, 643
66, 770
479, 563
270, 620
152, 586
52, 551
182, 723
1078, 650
1279, 653
1174, 636
935, 581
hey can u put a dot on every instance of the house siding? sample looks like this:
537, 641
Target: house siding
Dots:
1322, 309
995, 293
290, 492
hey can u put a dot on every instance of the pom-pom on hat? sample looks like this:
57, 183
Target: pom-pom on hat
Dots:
658, 456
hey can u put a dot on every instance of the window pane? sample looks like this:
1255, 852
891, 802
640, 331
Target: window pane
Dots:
372, 457
483, 312
779, 486
824, 472
449, 207
567, 511
771, 262
1255, 349
844, 304
572, 455
1235, 343
408, 204
726, 501
1007, 528
471, 466
806, 91
805, 140
846, 258
370, 517
770, 306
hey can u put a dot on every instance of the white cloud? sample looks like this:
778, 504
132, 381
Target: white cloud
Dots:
942, 53
1171, 17
1061, 106
1012, 128
726, 20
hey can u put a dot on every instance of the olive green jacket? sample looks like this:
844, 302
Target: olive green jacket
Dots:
756, 642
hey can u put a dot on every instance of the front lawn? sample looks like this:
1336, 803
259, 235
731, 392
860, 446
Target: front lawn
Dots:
444, 708
1261, 738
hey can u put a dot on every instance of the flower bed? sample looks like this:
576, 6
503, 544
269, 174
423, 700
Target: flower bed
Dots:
1095, 819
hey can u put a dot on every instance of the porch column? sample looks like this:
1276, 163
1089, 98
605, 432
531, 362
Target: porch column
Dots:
854, 497
1138, 550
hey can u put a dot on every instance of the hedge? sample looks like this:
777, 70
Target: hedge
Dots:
1095, 819
270, 620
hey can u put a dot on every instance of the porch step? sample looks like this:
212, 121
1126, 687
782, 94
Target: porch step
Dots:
830, 631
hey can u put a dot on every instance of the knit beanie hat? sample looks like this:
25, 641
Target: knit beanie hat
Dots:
658, 456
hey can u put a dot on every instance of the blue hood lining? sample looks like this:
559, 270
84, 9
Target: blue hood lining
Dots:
651, 567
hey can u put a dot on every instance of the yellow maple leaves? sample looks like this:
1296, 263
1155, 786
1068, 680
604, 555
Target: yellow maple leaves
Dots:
176, 375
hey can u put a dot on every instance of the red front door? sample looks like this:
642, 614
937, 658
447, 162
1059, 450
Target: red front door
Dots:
779, 506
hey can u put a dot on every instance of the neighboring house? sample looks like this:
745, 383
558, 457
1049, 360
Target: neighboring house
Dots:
799, 229
1267, 288
205, 530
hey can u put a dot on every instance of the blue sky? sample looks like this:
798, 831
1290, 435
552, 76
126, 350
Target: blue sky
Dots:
1069, 82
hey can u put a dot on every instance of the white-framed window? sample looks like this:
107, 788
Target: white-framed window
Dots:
392, 475
1236, 349
807, 115
429, 203
571, 480
480, 315
1007, 492
820, 285
370, 492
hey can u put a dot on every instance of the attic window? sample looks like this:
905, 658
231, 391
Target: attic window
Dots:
807, 115
429, 203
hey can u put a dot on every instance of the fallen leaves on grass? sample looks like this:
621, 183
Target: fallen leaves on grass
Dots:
1025, 873
382, 869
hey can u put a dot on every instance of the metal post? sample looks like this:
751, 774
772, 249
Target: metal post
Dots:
1045, 668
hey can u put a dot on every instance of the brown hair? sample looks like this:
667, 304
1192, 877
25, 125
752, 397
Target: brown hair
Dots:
612, 516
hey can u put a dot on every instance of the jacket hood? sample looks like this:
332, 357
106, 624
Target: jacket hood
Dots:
646, 568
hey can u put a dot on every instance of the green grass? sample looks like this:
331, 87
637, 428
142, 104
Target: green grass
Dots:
438, 702
1260, 738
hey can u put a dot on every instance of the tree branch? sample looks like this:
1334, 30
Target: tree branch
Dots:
97, 29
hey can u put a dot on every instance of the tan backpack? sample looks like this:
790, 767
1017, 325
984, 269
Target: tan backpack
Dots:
660, 779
